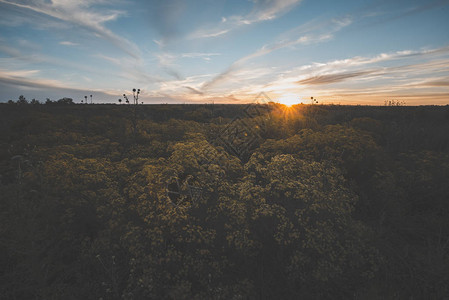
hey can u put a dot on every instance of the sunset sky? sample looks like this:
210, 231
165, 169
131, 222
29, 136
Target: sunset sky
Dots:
176, 51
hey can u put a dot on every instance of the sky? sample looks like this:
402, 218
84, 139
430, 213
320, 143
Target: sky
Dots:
221, 51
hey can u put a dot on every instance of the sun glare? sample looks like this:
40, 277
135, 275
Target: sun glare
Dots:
289, 99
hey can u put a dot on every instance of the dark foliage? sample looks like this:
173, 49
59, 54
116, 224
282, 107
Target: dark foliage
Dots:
223, 201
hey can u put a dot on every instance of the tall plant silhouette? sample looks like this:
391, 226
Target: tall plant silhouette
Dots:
136, 96
136, 93
126, 98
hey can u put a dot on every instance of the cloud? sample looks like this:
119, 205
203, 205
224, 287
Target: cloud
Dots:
198, 54
332, 78
127, 70
13, 52
131, 70
209, 34
389, 14
14, 82
68, 43
172, 72
166, 63
164, 17
21, 79
263, 10
160, 43
268, 9
304, 35
83, 14
436, 83
187, 87
19, 59
409, 74
359, 63
19, 73
193, 90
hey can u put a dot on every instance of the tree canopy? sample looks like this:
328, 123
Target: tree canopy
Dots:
167, 202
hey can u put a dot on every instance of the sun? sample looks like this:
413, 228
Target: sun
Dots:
289, 99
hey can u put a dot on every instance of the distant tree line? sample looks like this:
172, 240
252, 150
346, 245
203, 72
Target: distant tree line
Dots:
23, 101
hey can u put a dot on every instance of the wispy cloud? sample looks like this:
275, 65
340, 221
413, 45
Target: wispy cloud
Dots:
24, 79
332, 78
193, 90
19, 59
383, 14
131, 70
268, 9
68, 43
304, 35
167, 64
126, 70
31, 80
198, 55
83, 14
263, 10
184, 89
164, 17
436, 83
394, 66
371, 79
13, 52
209, 34
30, 83
340, 70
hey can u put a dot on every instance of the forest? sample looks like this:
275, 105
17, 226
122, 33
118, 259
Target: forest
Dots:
220, 201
